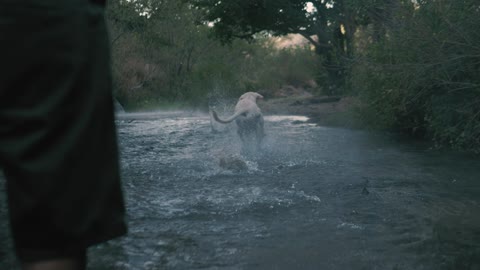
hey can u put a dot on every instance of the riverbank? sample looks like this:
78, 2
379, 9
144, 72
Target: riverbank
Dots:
322, 110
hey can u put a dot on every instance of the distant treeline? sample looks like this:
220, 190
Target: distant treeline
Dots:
415, 65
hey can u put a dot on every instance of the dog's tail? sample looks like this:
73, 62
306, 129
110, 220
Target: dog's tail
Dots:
228, 120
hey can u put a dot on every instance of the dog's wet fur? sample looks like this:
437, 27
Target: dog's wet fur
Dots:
248, 117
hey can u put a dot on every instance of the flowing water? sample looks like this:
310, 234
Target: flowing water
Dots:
312, 198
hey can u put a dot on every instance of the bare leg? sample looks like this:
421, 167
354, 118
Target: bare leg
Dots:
74, 263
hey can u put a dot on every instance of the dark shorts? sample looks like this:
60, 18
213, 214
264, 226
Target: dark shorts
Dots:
58, 145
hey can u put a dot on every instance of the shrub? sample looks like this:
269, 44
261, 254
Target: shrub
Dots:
424, 76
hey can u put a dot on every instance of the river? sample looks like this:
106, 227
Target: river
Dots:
312, 197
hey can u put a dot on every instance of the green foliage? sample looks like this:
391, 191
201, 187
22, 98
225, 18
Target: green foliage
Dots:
243, 19
328, 25
166, 57
424, 76
295, 67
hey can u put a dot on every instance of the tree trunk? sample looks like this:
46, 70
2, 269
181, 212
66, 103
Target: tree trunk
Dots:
335, 78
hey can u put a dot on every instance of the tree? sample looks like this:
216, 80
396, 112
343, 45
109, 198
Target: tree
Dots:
155, 45
328, 25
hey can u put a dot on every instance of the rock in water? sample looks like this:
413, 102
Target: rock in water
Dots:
233, 164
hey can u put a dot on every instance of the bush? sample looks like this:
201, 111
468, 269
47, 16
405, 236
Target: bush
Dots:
163, 60
424, 76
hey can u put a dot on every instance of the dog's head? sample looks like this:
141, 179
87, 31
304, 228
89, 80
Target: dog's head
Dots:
251, 95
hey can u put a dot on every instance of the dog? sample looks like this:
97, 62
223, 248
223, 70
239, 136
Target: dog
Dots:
247, 116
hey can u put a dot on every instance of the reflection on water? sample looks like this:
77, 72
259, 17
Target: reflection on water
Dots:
312, 198
280, 118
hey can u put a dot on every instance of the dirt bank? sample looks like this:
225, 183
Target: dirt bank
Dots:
323, 110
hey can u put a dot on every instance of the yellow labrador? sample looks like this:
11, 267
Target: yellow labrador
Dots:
247, 116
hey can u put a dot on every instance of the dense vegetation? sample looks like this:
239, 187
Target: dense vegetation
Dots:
423, 76
166, 58
415, 65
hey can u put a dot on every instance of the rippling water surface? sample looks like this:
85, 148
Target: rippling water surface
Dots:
311, 198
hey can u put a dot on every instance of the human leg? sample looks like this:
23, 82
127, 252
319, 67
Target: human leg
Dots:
57, 133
